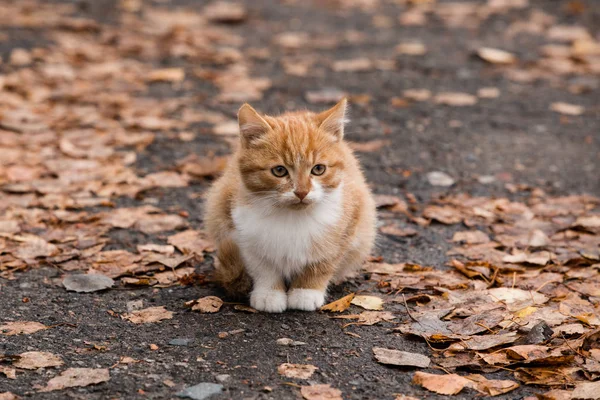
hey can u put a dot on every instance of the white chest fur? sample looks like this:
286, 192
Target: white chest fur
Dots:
284, 238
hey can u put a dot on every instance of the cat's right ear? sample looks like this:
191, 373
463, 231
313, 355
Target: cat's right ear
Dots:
252, 125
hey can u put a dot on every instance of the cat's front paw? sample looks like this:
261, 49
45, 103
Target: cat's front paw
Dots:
305, 299
273, 301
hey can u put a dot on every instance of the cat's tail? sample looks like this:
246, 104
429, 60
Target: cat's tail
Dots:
230, 271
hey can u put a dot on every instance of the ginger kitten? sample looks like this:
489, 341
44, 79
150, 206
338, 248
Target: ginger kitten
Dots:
292, 211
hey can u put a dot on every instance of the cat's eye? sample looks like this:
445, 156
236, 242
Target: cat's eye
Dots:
318, 169
279, 171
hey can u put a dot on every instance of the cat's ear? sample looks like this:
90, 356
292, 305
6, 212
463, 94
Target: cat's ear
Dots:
334, 119
252, 125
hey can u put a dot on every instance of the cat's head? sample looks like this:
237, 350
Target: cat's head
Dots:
294, 160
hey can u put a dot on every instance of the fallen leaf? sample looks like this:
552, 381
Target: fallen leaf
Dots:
368, 302
8, 396
225, 12
156, 248
471, 237
456, 99
443, 384
155, 223
37, 359
586, 390
339, 305
496, 56
444, 214
166, 75
353, 65
369, 317
208, 304
491, 387
77, 377
9, 372
567, 109
417, 94
21, 328
87, 283
396, 231
411, 49
191, 242
320, 392
299, 371
149, 315
400, 358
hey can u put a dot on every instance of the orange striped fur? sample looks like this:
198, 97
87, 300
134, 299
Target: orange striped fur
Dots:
284, 238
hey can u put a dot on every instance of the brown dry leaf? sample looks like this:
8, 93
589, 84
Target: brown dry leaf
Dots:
208, 304
155, 223
400, 358
299, 371
445, 214
339, 305
353, 65
539, 258
225, 12
369, 317
21, 328
488, 93
168, 278
149, 315
555, 376
10, 373
393, 203
496, 56
471, 237
516, 296
456, 99
491, 387
396, 231
34, 246
77, 377
485, 342
411, 49
191, 242
166, 75
320, 392
417, 94
8, 396
37, 359
586, 390
443, 384
156, 248
203, 166
368, 302
567, 109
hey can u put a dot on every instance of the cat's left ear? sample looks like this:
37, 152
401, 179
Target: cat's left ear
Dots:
334, 119
252, 125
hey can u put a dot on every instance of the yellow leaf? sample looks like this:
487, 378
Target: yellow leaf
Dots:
368, 302
339, 305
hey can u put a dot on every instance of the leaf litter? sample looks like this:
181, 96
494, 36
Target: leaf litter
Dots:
513, 263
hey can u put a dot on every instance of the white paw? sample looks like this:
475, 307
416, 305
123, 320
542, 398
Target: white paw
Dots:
274, 301
305, 299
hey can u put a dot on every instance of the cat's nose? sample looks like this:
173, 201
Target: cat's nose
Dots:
301, 194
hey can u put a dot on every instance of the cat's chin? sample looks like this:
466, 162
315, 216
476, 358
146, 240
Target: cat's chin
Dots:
300, 206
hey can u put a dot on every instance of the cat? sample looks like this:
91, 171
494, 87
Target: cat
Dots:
292, 212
